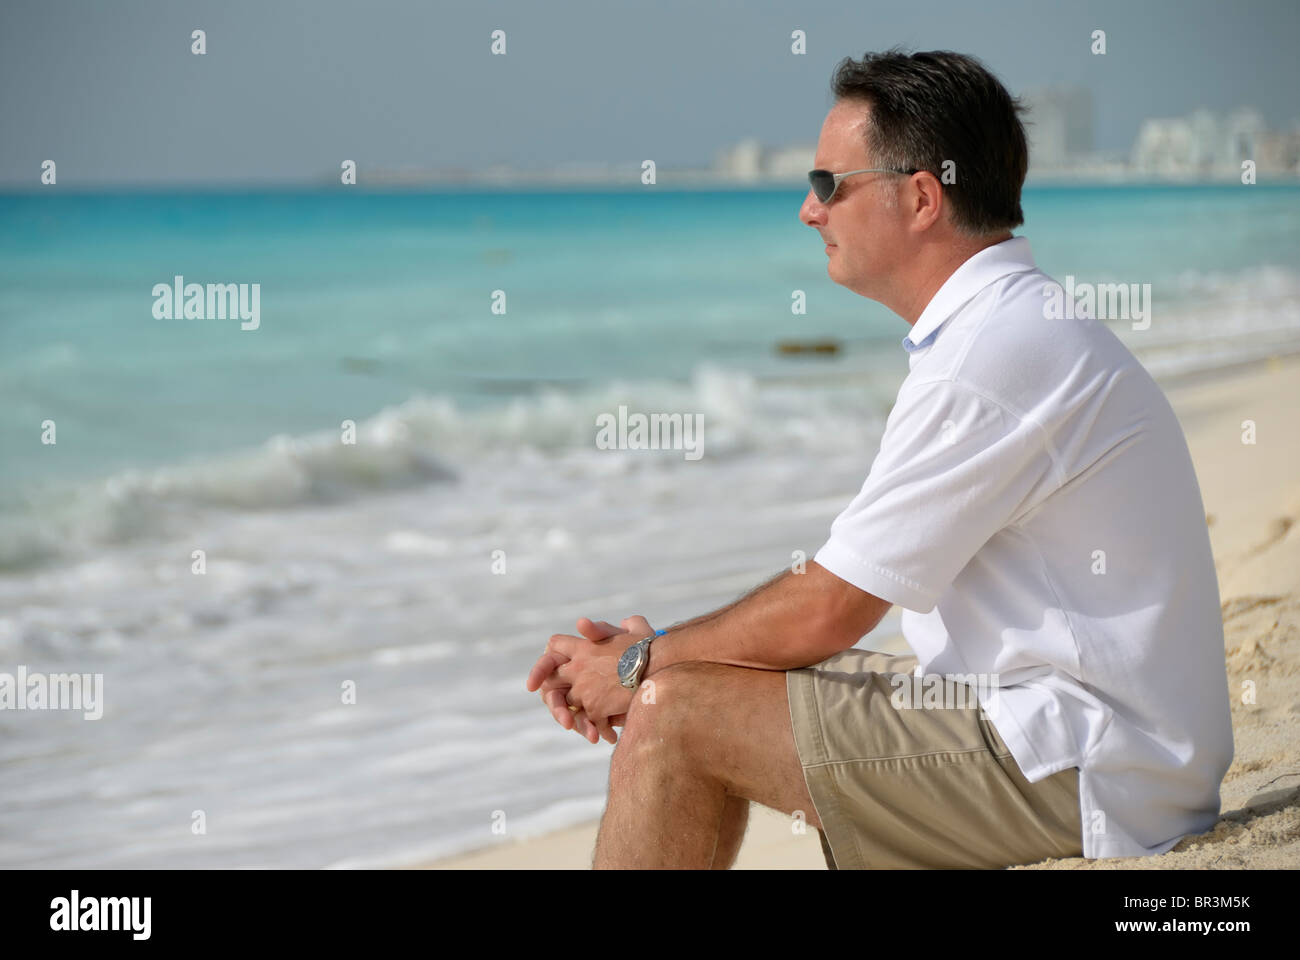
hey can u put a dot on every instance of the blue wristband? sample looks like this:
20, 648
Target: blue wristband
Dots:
660, 633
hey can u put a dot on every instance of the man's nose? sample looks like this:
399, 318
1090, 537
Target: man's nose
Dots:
813, 211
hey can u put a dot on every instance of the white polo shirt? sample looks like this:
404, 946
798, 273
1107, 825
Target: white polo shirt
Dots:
1034, 509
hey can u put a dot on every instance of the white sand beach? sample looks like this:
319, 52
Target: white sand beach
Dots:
1252, 499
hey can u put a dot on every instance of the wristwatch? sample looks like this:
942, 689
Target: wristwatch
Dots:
632, 664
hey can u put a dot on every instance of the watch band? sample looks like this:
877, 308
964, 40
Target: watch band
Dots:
645, 660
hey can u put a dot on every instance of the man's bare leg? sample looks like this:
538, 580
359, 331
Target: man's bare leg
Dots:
713, 733
735, 820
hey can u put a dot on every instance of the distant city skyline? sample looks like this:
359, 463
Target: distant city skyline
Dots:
1201, 146
286, 92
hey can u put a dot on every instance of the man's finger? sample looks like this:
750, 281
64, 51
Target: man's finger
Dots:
606, 730
562, 673
543, 668
638, 625
564, 644
597, 630
553, 682
556, 701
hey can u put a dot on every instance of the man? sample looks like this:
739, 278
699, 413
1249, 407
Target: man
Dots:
1034, 509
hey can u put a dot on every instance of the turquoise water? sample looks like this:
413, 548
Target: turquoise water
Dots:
373, 563
370, 298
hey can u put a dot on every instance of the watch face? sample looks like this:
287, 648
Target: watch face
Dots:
627, 663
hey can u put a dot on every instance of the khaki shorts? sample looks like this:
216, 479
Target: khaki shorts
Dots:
916, 788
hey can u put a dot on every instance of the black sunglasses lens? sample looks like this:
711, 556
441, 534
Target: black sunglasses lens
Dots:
823, 184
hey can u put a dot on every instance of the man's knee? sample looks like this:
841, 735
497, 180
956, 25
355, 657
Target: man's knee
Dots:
670, 707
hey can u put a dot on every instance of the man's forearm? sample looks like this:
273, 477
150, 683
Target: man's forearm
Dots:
790, 621
705, 617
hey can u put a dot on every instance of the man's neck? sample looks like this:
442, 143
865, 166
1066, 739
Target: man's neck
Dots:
933, 271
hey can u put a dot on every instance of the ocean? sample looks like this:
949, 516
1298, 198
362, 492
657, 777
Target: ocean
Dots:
472, 339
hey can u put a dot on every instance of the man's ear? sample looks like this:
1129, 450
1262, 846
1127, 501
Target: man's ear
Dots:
927, 200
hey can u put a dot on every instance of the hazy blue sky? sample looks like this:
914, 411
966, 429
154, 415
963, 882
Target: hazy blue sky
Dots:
110, 91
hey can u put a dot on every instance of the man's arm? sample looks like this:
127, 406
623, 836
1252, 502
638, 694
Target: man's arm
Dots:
793, 620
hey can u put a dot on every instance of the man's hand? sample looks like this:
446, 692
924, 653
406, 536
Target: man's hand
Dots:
555, 690
583, 672
592, 670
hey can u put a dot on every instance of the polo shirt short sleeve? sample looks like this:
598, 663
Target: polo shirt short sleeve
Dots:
954, 468
1034, 508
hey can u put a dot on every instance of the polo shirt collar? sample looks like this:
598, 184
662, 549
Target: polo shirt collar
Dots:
989, 265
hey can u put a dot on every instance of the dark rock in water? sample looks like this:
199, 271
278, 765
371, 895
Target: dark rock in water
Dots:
808, 346
359, 364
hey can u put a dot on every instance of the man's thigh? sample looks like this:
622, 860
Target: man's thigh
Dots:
911, 783
730, 723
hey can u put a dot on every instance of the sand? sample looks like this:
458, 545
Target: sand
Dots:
1252, 500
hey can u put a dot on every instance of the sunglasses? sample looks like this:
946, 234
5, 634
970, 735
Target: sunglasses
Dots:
825, 183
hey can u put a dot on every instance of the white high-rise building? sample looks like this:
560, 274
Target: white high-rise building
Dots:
1202, 144
790, 162
1164, 147
1058, 125
744, 161
1241, 136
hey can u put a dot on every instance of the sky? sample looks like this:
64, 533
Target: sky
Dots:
287, 90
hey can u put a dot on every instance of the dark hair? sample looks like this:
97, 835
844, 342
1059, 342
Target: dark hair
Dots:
926, 108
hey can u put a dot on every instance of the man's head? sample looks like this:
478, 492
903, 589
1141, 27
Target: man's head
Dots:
943, 115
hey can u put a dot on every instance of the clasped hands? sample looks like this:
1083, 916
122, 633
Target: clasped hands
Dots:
578, 676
